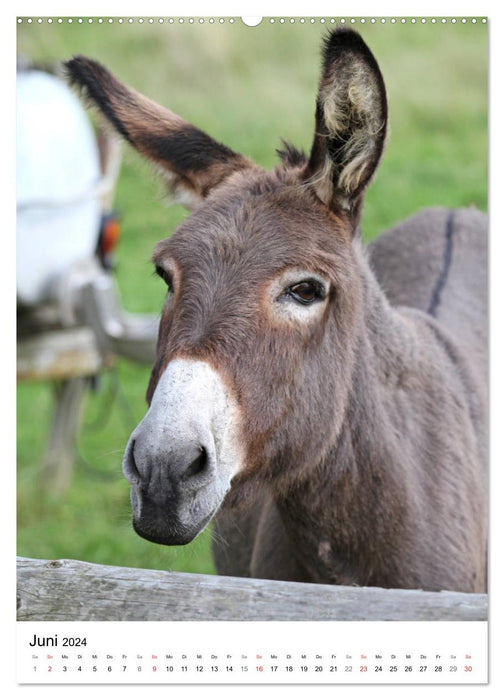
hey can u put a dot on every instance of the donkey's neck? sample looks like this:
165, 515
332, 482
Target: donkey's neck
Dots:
349, 519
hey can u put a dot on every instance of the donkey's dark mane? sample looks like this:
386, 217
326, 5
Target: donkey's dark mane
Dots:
291, 156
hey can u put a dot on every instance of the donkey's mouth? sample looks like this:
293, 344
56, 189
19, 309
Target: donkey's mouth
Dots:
177, 536
174, 521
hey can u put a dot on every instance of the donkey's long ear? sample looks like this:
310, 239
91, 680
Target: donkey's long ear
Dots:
351, 122
192, 162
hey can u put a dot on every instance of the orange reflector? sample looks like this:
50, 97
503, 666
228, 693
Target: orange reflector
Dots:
111, 231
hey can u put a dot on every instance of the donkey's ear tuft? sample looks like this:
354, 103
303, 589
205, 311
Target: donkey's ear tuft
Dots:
98, 86
192, 163
351, 122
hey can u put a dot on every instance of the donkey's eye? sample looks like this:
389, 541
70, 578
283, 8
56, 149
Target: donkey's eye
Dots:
306, 292
165, 276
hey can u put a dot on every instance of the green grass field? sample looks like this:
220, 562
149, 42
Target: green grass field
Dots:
247, 87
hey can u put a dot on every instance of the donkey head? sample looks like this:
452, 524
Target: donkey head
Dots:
258, 332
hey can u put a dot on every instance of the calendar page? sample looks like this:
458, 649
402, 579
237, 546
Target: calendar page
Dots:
252, 350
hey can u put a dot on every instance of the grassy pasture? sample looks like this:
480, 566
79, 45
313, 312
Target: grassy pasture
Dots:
247, 87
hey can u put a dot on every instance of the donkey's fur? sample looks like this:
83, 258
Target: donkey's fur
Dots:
360, 410
408, 467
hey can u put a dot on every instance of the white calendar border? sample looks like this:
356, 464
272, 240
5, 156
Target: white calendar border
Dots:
496, 31
290, 652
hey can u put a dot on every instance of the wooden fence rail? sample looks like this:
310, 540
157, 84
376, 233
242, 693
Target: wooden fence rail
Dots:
74, 590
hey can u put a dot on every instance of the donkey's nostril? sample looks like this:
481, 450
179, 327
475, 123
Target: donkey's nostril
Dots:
130, 469
198, 465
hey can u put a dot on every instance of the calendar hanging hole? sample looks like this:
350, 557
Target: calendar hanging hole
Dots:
251, 21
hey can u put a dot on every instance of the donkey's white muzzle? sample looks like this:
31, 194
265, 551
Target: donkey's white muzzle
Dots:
181, 457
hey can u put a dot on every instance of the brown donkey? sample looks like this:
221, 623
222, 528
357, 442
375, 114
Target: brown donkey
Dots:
326, 404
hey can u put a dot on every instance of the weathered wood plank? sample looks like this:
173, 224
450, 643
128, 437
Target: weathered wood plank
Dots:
73, 590
60, 354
